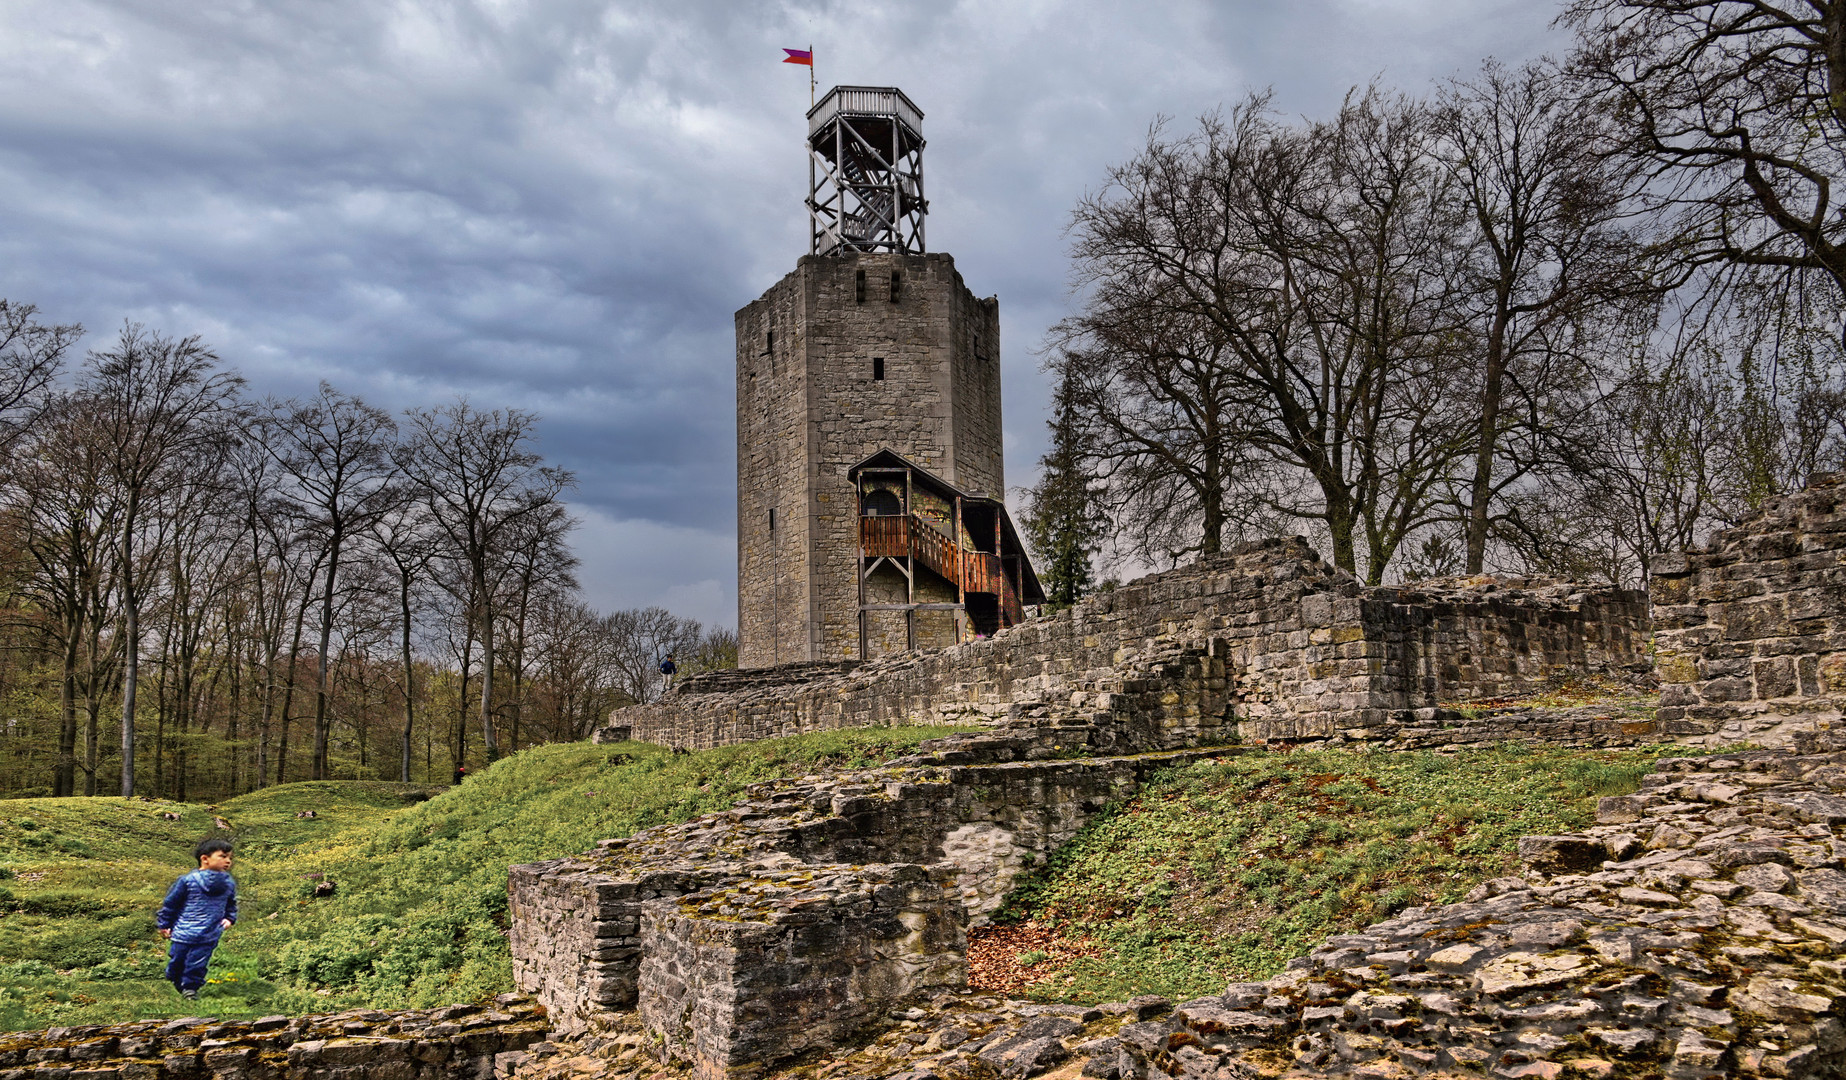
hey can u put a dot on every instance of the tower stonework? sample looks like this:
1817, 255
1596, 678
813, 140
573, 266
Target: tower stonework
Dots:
850, 354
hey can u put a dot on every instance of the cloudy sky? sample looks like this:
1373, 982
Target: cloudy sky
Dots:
558, 204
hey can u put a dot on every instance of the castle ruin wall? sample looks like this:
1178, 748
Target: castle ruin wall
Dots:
853, 892
456, 1042
1750, 633
1310, 652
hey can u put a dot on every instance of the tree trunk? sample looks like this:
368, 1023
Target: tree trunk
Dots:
288, 692
410, 705
1481, 488
271, 649
487, 684
1211, 499
92, 688
1340, 526
235, 654
321, 723
461, 704
131, 652
66, 780
92, 744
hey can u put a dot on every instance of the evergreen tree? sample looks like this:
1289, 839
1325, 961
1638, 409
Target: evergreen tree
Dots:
1063, 522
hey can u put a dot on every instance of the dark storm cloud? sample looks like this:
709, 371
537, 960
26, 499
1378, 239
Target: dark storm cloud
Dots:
557, 206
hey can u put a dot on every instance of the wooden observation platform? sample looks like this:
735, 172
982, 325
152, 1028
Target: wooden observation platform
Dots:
865, 172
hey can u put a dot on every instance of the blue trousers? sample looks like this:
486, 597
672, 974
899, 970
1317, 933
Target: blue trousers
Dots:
186, 962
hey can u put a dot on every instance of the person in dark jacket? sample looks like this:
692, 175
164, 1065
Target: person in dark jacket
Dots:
199, 908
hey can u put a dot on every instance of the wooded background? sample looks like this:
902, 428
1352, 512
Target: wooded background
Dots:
279, 590
1553, 319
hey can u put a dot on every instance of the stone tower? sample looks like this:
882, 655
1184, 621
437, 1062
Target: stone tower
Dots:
869, 346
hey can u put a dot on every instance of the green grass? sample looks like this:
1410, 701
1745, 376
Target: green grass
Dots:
419, 915
1223, 872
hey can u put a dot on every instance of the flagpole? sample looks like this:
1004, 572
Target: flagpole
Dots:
810, 75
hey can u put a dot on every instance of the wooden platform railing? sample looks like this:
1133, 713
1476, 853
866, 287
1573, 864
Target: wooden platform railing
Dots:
909, 536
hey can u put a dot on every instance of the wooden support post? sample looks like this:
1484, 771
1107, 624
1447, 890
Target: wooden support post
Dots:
961, 580
859, 524
910, 583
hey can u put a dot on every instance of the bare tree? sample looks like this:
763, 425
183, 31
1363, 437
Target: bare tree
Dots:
335, 453
59, 512
1551, 267
541, 563
481, 481
640, 639
402, 538
1733, 113
157, 401
1282, 302
578, 681
31, 355
193, 581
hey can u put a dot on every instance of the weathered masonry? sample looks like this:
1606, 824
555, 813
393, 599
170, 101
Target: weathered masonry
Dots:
1309, 651
458, 1042
1750, 634
806, 913
871, 345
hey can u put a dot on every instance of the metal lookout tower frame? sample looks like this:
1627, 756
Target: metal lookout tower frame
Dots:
865, 172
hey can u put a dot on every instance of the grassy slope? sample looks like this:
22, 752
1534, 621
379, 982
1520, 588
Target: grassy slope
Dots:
419, 913
1223, 872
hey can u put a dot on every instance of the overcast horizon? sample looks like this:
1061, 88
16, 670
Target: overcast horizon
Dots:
558, 206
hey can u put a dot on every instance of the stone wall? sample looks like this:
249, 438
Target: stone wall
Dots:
1750, 633
460, 1042
1468, 639
1696, 931
848, 894
717, 970
1310, 652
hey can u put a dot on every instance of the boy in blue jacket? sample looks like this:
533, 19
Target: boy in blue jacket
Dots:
199, 908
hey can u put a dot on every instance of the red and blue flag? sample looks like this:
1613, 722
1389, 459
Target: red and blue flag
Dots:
799, 56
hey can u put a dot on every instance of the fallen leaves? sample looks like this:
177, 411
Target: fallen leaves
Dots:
994, 951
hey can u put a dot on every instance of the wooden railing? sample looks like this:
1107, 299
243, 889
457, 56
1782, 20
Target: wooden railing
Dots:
1012, 612
886, 537
865, 101
909, 536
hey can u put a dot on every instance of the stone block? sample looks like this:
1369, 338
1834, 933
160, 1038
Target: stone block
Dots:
1775, 677
1562, 854
763, 970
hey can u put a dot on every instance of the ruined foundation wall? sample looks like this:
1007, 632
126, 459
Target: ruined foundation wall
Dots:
881, 872
1311, 654
1459, 639
459, 1042
1750, 634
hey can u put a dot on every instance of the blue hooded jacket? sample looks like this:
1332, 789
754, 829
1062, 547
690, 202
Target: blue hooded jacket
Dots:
197, 904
